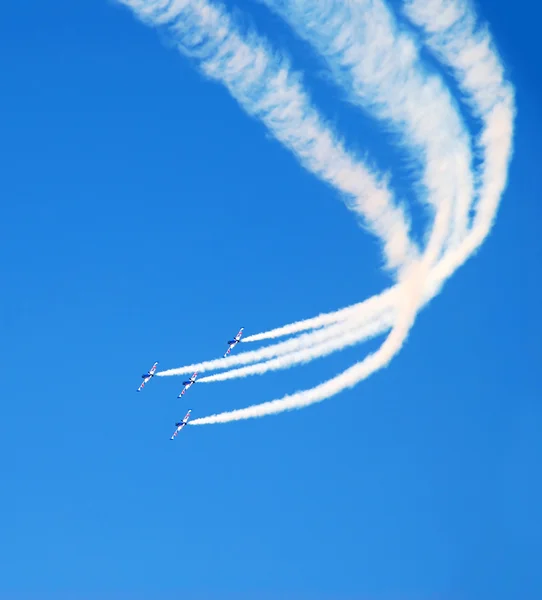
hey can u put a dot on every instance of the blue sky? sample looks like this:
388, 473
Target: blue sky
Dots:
146, 217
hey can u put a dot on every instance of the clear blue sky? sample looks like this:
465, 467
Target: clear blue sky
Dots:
146, 217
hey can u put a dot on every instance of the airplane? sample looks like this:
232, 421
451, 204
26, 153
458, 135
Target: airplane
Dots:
148, 376
188, 384
234, 342
181, 424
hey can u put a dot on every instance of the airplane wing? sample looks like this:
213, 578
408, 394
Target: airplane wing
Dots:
153, 368
175, 433
143, 384
238, 336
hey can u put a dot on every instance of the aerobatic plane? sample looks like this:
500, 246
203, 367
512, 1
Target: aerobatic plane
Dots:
188, 384
147, 376
234, 342
181, 424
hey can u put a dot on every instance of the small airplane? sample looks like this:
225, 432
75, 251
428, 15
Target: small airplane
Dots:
234, 342
147, 376
188, 384
181, 424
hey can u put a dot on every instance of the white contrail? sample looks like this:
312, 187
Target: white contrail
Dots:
345, 380
461, 47
266, 88
350, 336
469, 51
381, 69
305, 324
367, 312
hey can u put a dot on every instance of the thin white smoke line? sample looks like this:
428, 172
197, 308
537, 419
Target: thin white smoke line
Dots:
332, 387
383, 301
266, 88
350, 337
365, 313
381, 69
497, 143
314, 323
453, 35
469, 51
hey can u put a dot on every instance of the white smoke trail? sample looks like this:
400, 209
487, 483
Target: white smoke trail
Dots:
372, 310
350, 336
266, 88
380, 67
457, 43
469, 51
348, 378
306, 324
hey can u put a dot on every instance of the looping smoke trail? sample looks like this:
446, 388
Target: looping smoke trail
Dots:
480, 76
384, 74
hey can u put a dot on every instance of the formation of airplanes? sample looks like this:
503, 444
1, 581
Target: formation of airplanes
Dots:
187, 384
